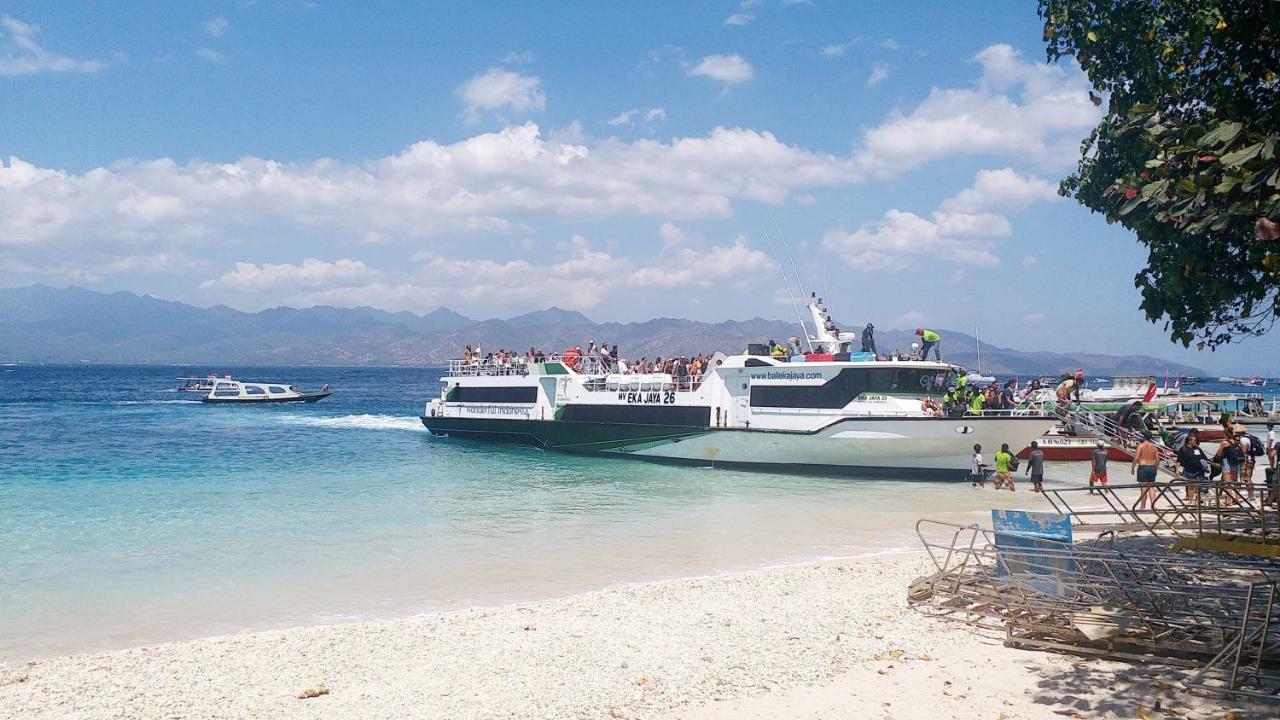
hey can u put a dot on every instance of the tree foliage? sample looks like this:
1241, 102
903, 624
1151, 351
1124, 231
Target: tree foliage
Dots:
1186, 156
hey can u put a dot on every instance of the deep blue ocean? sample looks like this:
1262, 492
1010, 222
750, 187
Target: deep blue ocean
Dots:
130, 513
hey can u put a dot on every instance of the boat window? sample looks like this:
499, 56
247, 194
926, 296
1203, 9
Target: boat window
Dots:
849, 384
594, 385
254, 390
650, 385
634, 385
612, 385
524, 394
277, 389
225, 390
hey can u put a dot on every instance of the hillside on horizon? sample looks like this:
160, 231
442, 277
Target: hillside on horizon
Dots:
39, 323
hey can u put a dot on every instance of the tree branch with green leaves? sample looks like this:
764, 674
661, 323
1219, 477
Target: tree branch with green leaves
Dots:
1186, 156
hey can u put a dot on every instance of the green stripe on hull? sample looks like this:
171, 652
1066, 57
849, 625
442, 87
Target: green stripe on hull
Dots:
564, 435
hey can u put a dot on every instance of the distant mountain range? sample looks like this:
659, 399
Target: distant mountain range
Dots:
43, 324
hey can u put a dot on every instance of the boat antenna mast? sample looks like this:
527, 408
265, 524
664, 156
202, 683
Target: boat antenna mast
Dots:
791, 298
977, 345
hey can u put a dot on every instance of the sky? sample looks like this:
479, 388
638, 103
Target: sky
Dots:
627, 160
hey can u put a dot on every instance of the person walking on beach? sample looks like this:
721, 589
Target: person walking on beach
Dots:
1035, 467
1005, 465
1193, 466
1146, 461
1245, 476
1098, 472
1229, 459
1271, 444
978, 468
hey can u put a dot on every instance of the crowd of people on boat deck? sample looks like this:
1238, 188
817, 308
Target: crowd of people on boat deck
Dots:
601, 359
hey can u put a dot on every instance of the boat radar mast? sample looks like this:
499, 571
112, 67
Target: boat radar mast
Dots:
828, 339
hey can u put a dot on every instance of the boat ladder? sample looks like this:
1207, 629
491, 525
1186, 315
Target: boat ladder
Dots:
1103, 427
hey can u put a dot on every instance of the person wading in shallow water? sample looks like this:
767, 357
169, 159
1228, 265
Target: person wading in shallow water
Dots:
1146, 461
978, 470
1035, 467
1005, 466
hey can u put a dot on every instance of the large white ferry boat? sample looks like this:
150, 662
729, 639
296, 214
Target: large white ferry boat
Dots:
830, 413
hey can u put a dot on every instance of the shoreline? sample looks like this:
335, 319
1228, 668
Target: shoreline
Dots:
782, 641
320, 620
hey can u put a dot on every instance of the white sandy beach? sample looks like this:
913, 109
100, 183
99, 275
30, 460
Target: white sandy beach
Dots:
829, 640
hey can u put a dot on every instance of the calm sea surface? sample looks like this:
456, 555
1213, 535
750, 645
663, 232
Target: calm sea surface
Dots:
130, 514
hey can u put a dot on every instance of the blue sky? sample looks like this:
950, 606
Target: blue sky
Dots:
627, 160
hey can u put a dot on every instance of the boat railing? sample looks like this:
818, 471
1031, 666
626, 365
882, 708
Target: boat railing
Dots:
520, 364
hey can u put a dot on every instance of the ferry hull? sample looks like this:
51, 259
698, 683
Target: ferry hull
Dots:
924, 447
259, 400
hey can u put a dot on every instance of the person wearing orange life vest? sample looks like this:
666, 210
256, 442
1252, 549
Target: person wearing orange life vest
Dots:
929, 339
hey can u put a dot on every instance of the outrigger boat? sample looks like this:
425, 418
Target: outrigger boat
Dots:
225, 390
830, 413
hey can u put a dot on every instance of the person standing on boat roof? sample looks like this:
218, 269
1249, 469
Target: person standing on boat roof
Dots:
869, 339
930, 340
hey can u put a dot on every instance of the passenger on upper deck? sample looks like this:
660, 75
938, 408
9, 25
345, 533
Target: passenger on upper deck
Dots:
869, 339
930, 340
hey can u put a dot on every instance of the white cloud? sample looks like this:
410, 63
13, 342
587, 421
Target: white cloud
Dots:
270, 278
580, 278
1029, 260
879, 73
958, 276
963, 229
728, 70
1016, 109
518, 58
216, 27
901, 239
1033, 317
647, 118
739, 19
672, 235
1002, 189
626, 117
498, 89
211, 55
20, 54
834, 51
491, 183
889, 44
701, 268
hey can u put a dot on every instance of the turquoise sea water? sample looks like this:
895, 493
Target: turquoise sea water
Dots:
131, 514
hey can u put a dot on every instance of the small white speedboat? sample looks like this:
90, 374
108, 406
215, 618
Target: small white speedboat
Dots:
235, 391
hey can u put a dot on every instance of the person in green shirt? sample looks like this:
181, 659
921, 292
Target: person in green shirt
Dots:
976, 401
930, 340
1004, 467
